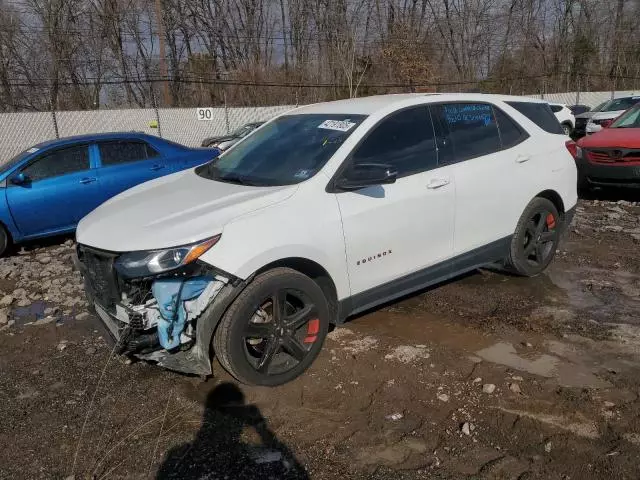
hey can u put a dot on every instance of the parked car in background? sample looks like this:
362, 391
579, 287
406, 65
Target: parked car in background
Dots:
334, 209
225, 141
613, 109
48, 188
580, 129
578, 109
611, 157
564, 116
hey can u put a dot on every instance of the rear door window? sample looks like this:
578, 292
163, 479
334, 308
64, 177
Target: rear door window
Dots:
540, 114
465, 131
511, 134
125, 151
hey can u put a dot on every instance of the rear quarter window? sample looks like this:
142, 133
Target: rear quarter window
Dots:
540, 114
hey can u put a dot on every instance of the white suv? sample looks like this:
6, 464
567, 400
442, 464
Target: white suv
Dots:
611, 110
324, 212
564, 116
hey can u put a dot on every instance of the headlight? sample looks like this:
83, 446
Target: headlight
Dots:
152, 262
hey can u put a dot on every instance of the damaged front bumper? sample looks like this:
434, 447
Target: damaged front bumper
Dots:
168, 319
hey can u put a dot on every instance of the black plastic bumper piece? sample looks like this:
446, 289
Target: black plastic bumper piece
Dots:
592, 174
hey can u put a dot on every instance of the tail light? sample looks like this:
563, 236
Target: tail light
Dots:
572, 147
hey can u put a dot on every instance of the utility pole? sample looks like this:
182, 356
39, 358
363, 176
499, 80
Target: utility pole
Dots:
163, 59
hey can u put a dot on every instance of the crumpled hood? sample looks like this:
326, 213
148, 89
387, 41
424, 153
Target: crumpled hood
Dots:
174, 210
223, 138
612, 137
586, 115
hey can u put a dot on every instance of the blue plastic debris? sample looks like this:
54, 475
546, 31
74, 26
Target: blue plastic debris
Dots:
171, 293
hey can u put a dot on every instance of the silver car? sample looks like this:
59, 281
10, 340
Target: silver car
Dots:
225, 141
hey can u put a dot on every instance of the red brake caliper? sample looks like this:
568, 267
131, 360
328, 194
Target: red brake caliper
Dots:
313, 327
551, 221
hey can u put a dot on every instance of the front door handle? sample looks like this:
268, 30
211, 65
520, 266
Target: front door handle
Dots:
157, 166
523, 158
86, 180
437, 183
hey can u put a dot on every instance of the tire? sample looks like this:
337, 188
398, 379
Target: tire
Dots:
260, 348
583, 186
567, 129
535, 240
5, 241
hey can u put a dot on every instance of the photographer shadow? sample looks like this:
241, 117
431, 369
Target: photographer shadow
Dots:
219, 452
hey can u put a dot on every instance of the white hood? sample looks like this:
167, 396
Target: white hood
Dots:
170, 211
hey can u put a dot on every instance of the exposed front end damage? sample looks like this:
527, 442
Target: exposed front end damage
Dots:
168, 319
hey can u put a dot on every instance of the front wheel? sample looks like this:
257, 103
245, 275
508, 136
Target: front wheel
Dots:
274, 330
536, 238
5, 241
567, 129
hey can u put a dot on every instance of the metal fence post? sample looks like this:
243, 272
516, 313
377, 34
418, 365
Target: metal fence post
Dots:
157, 111
226, 110
55, 123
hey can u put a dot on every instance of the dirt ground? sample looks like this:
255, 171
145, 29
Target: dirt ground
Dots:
486, 377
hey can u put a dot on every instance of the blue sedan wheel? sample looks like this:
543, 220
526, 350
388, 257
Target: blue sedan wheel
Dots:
4, 241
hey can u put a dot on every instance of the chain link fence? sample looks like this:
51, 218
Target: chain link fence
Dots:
188, 126
200, 116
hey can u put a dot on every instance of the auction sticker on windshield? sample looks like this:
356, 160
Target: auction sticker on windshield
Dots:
338, 125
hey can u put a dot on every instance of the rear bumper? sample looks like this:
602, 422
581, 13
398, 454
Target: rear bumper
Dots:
591, 174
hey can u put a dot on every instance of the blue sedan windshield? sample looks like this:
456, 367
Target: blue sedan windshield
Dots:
17, 159
288, 150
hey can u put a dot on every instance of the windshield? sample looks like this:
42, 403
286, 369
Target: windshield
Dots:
620, 104
600, 107
630, 119
288, 150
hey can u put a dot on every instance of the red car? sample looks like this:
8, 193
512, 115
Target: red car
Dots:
611, 157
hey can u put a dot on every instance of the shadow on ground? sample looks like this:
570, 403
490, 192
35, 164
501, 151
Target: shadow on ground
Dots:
221, 449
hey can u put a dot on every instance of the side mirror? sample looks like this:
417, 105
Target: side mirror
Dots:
365, 175
20, 179
606, 123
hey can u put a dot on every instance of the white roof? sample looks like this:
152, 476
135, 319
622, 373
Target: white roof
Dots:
369, 105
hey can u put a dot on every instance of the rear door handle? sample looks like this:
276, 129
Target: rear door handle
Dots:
157, 166
523, 158
86, 180
437, 183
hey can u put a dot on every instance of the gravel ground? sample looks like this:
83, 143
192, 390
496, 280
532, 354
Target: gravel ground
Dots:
486, 377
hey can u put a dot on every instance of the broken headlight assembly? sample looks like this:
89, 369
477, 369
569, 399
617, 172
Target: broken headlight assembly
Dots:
153, 262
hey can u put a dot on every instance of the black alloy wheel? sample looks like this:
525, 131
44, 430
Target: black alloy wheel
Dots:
274, 330
536, 238
282, 331
540, 238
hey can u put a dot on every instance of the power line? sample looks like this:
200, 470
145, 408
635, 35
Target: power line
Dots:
248, 83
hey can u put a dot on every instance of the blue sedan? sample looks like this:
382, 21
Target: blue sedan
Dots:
48, 188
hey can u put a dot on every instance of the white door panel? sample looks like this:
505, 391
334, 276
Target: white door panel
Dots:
492, 192
393, 230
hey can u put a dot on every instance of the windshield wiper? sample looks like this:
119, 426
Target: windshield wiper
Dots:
231, 178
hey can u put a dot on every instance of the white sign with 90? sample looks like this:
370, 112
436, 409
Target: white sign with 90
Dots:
205, 114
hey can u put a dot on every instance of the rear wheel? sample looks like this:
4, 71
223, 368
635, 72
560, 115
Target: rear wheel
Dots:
274, 330
567, 129
535, 240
